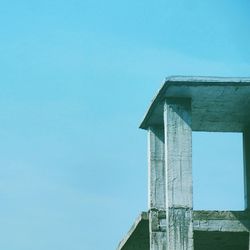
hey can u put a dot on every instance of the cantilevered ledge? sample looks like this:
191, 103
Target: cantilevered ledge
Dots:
219, 104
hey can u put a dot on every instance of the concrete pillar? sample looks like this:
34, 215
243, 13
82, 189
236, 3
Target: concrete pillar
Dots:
178, 161
157, 188
246, 158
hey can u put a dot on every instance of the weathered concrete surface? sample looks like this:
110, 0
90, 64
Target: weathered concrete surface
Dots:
157, 187
222, 221
213, 104
157, 229
178, 153
179, 188
218, 104
210, 231
156, 168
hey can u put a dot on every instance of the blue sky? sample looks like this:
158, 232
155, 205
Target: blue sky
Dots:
76, 78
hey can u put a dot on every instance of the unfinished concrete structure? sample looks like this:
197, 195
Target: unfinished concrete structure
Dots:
183, 105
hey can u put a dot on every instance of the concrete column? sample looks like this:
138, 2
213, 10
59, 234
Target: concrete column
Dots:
178, 161
157, 188
246, 158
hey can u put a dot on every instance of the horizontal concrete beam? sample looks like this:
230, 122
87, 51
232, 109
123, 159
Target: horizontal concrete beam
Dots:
220, 215
221, 225
222, 221
203, 221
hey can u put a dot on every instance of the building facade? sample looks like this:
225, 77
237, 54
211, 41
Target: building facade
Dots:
183, 105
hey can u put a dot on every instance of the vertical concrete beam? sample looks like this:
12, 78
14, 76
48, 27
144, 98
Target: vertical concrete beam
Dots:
178, 161
246, 159
156, 168
157, 188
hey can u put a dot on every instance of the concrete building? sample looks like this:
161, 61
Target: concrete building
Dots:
183, 105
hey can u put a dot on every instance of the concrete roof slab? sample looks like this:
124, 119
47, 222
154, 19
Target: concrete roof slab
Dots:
219, 104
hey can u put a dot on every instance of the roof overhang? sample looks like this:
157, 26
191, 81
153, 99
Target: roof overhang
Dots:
219, 104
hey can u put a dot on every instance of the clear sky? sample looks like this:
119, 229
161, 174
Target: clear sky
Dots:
76, 78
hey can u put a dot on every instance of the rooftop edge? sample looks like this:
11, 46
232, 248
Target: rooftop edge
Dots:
191, 81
